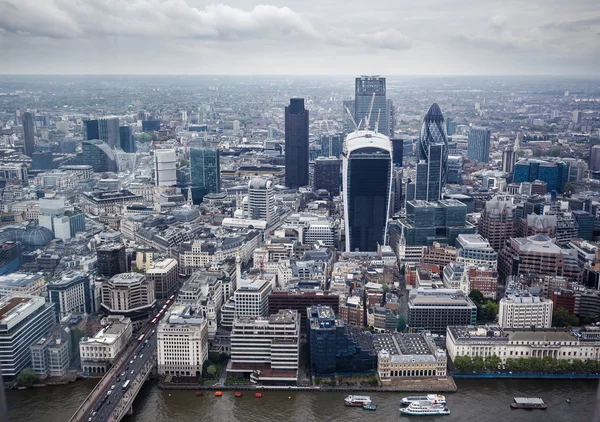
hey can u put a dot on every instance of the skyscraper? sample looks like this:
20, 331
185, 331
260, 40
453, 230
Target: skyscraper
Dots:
90, 130
260, 202
328, 174
429, 174
165, 167
595, 158
508, 159
126, 140
365, 88
28, 134
479, 144
296, 144
108, 130
205, 171
367, 181
433, 132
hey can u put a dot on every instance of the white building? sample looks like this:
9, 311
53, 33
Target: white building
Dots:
488, 341
23, 320
22, 283
182, 343
475, 250
165, 276
268, 348
525, 312
204, 294
128, 292
319, 232
260, 202
165, 167
253, 299
99, 352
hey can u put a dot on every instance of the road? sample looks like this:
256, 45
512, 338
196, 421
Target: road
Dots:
129, 370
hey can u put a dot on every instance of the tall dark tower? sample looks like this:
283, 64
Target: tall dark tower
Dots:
90, 130
296, 144
126, 139
433, 132
28, 133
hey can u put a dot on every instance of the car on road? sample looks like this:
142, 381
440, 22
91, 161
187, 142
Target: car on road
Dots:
141, 356
123, 374
118, 379
127, 367
112, 387
131, 362
132, 372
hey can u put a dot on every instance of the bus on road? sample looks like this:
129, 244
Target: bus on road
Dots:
126, 385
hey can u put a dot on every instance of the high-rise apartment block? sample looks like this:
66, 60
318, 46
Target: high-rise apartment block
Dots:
165, 167
260, 202
479, 144
296, 144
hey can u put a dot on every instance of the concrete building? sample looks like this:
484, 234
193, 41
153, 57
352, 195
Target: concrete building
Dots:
497, 222
328, 174
108, 130
474, 249
22, 284
165, 276
165, 167
435, 309
484, 279
260, 202
525, 312
266, 348
128, 293
99, 352
405, 356
23, 320
50, 355
252, 299
487, 341
182, 343
203, 292
300, 300
72, 292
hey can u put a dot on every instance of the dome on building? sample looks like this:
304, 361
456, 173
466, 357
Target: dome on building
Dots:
36, 236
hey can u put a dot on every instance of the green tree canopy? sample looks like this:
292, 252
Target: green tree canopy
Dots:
478, 364
463, 363
401, 324
492, 308
211, 370
492, 362
562, 318
26, 377
476, 296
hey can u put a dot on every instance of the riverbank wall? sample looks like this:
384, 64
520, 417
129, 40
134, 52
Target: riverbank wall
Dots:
458, 375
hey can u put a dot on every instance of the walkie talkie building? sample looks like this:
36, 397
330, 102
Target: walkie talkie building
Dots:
367, 182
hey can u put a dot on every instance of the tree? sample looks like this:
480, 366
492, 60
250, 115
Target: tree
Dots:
26, 377
401, 324
492, 309
569, 187
492, 362
463, 363
478, 364
562, 318
476, 296
386, 289
211, 371
577, 366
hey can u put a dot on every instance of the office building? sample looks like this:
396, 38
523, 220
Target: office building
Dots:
296, 144
336, 348
111, 259
252, 299
435, 309
585, 224
372, 90
128, 293
28, 134
555, 174
182, 347
150, 125
497, 222
107, 203
108, 130
537, 256
405, 356
72, 292
488, 340
205, 172
266, 348
332, 145
475, 250
525, 311
260, 202
595, 158
42, 160
50, 355
367, 186
165, 276
328, 175
483, 279
428, 181
299, 300
433, 132
23, 320
126, 139
577, 116
508, 159
99, 155
165, 167
90, 130
479, 144
455, 164
98, 353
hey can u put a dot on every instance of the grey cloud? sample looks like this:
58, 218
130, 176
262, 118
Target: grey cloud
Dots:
389, 38
573, 25
36, 18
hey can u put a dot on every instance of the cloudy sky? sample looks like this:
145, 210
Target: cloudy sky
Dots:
338, 37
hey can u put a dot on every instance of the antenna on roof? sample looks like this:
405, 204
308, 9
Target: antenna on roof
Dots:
368, 119
353, 121
377, 122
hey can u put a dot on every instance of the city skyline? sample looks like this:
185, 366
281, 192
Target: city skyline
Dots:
116, 37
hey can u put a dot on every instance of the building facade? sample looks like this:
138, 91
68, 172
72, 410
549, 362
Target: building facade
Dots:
435, 309
165, 276
296, 144
128, 293
479, 144
328, 174
72, 293
99, 352
525, 312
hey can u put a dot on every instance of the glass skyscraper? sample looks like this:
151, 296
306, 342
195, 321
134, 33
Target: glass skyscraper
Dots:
479, 144
205, 171
555, 174
108, 130
296, 144
126, 140
90, 130
433, 132
364, 89
28, 134
367, 181
429, 174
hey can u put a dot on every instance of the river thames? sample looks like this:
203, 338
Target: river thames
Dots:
476, 400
